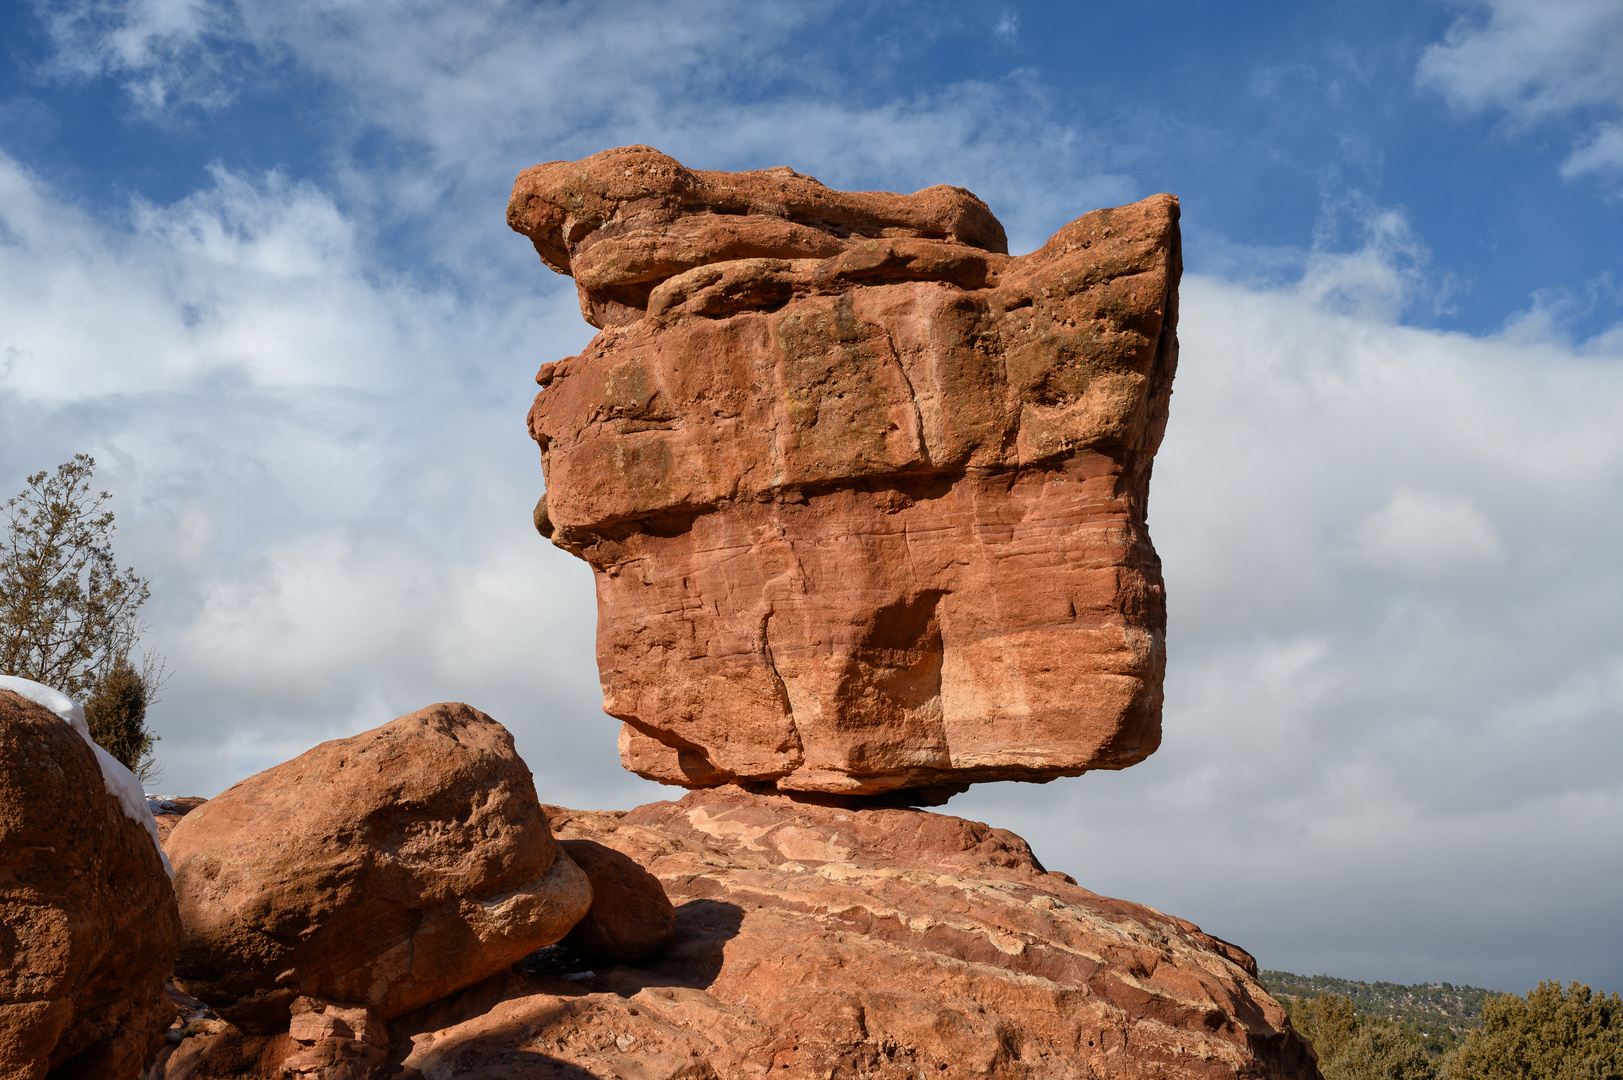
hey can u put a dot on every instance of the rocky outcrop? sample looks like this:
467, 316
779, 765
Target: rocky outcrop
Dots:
865, 496
324, 1041
89, 921
819, 942
631, 920
385, 870
168, 810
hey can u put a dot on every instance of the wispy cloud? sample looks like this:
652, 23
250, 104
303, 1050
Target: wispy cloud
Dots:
1368, 259
168, 53
1536, 60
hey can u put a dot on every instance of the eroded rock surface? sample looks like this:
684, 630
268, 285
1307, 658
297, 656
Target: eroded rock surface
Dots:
384, 870
864, 495
816, 943
324, 1041
88, 926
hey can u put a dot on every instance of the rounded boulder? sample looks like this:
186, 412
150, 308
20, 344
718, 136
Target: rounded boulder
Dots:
388, 869
631, 920
88, 926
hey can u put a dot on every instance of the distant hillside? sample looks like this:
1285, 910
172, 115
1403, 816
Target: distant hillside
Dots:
1438, 1012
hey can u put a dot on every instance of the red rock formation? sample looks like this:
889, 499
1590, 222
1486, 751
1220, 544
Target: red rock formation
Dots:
169, 812
631, 920
865, 496
89, 921
324, 1041
816, 942
385, 870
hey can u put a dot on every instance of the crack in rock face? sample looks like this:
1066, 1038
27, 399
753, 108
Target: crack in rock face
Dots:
864, 495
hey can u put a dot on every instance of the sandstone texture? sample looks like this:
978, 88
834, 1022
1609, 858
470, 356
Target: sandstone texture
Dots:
815, 942
382, 871
167, 812
88, 926
864, 496
324, 1041
631, 920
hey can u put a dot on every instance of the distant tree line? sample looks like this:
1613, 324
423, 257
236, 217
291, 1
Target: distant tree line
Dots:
1554, 1033
69, 617
1439, 1014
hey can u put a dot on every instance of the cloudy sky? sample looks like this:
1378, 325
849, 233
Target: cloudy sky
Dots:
253, 259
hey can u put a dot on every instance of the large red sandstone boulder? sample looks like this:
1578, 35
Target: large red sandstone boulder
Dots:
816, 943
90, 926
385, 870
865, 496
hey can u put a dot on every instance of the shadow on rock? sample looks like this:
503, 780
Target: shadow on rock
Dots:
693, 959
703, 928
511, 1021
511, 1064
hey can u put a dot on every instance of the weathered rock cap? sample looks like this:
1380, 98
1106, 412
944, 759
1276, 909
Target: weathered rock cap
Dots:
624, 220
387, 870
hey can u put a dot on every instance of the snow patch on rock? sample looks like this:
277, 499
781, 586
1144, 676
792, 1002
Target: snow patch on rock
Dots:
121, 784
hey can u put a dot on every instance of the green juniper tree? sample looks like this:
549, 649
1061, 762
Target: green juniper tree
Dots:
1328, 1021
1354, 1046
69, 617
1552, 1034
116, 714
1381, 1050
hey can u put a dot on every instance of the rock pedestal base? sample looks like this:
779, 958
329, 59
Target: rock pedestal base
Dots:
815, 942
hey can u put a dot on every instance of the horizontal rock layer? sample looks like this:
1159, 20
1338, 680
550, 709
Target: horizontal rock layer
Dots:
816, 943
866, 503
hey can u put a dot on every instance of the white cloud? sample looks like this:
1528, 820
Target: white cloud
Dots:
1602, 153
1427, 532
158, 46
1535, 60
256, 281
1384, 276
1393, 700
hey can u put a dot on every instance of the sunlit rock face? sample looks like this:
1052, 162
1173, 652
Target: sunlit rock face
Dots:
817, 942
88, 923
864, 495
384, 870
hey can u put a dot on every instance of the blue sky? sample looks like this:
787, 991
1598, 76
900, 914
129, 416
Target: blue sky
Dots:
253, 258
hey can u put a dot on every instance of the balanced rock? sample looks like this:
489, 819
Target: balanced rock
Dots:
815, 942
90, 926
864, 496
384, 870
631, 920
